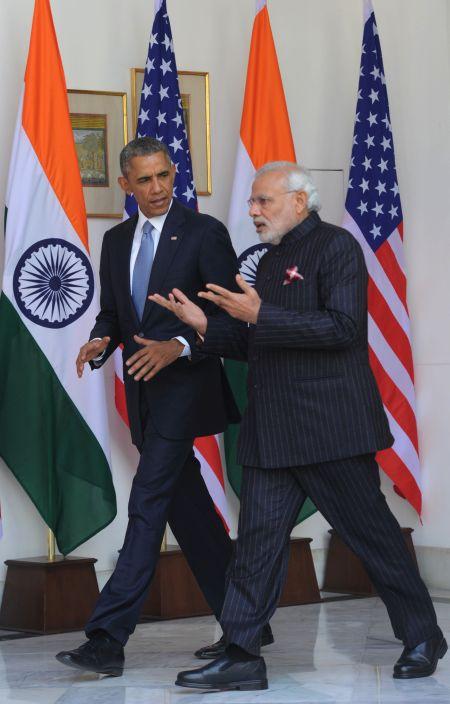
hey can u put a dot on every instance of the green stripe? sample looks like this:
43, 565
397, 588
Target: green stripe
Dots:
46, 442
237, 377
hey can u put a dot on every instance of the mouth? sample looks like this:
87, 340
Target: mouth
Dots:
158, 202
259, 225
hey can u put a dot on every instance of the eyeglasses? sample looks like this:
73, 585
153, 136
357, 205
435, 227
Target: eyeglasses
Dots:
265, 201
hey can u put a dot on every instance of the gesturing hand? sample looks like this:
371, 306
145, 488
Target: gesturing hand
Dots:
153, 357
183, 308
243, 306
90, 351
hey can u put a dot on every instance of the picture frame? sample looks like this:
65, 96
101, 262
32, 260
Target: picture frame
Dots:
100, 127
194, 89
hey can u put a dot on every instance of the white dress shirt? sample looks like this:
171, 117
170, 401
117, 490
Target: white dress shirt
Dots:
157, 223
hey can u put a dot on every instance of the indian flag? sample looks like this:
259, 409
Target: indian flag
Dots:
265, 135
53, 426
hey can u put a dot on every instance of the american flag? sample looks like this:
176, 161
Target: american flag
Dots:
374, 216
161, 116
161, 111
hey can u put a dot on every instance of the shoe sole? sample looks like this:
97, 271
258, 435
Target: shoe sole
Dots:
112, 671
412, 676
247, 686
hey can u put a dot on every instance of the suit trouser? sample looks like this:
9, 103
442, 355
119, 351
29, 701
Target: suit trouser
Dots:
168, 486
347, 493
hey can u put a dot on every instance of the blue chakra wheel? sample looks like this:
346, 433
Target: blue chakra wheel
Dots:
53, 283
249, 260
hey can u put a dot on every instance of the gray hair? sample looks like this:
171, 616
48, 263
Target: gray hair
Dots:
297, 179
141, 146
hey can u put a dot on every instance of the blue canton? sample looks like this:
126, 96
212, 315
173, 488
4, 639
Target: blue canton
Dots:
161, 112
373, 197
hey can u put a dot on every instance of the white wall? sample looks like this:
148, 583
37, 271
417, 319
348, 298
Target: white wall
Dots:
318, 44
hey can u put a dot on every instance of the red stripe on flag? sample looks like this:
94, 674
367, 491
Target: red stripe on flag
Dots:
396, 403
120, 399
393, 333
209, 448
393, 271
399, 473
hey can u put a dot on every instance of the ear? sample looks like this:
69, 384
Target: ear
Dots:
301, 202
123, 183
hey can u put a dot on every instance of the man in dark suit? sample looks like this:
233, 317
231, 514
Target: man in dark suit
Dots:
313, 424
174, 393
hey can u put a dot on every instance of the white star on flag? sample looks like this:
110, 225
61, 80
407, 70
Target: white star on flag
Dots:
178, 119
375, 231
378, 209
381, 188
165, 66
143, 115
146, 90
176, 144
163, 93
161, 117
189, 193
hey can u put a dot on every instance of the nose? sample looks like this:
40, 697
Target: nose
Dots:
254, 210
156, 186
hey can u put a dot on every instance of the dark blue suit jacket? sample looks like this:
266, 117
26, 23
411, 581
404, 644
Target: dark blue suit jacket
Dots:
312, 396
190, 397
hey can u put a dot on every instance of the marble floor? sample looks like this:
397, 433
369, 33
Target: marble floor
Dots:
337, 651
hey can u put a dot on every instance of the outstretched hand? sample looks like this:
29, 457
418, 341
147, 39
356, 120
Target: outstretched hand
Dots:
243, 306
183, 308
90, 351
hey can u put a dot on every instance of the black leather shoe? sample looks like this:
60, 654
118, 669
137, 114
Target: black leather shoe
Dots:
209, 652
226, 673
422, 660
100, 654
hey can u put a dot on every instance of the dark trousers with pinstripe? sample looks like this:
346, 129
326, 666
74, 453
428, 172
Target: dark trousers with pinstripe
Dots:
347, 493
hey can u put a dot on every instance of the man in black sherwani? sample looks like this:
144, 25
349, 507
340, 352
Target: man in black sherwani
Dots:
313, 424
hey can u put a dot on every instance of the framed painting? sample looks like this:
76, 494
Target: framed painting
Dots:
194, 89
100, 130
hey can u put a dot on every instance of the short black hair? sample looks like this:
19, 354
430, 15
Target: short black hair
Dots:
141, 146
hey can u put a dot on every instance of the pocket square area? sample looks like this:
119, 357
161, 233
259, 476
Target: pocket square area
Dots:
292, 274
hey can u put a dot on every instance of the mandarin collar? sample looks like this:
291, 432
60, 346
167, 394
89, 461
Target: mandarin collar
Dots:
304, 228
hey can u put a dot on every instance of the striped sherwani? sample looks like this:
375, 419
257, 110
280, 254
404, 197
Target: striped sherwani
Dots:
315, 417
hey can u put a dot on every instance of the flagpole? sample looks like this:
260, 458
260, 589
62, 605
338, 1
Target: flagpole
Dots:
51, 545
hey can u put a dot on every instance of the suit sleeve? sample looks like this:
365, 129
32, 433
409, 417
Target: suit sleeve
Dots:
226, 337
343, 312
106, 322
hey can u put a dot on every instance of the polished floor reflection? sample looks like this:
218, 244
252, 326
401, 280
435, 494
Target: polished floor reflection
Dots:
340, 651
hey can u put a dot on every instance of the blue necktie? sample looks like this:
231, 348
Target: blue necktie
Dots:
142, 269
